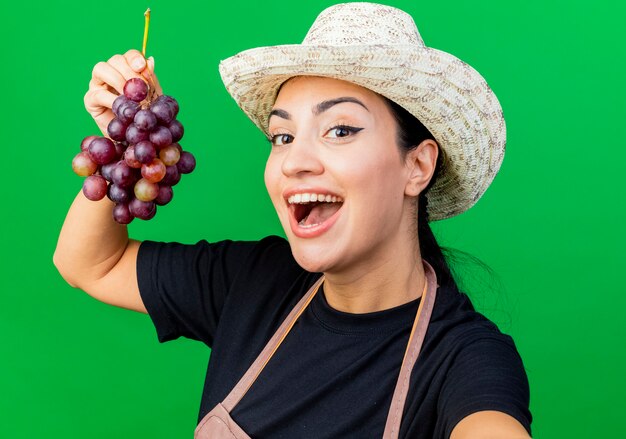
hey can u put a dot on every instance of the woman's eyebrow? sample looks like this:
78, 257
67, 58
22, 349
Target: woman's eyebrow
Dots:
319, 108
325, 105
280, 113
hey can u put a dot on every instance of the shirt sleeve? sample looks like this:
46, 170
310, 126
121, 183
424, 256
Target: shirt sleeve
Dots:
184, 287
487, 374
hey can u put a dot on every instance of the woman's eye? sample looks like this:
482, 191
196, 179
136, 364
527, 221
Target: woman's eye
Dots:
342, 131
281, 139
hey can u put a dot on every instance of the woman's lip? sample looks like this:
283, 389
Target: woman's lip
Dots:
312, 231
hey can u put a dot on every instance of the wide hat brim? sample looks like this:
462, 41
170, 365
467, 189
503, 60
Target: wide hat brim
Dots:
448, 96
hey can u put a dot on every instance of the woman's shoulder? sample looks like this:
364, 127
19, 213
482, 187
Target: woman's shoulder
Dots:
269, 257
237, 250
457, 325
476, 366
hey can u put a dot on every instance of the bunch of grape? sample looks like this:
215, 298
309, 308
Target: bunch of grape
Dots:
141, 160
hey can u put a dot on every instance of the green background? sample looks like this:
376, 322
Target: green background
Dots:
551, 226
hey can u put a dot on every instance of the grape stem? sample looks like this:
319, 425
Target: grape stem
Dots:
145, 31
152, 92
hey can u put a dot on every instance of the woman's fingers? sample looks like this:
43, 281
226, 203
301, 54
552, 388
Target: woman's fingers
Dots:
135, 60
98, 99
98, 102
104, 75
122, 65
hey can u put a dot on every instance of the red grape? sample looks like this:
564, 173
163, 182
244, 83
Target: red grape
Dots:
105, 170
130, 159
136, 89
163, 112
145, 152
84, 145
161, 137
144, 210
83, 165
117, 103
123, 175
153, 171
150, 215
187, 163
165, 195
95, 187
116, 129
118, 194
127, 110
146, 190
172, 176
145, 120
169, 155
171, 102
177, 130
102, 150
122, 214
135, 135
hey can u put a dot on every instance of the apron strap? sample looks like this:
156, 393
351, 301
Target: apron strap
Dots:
253, 372
420, 325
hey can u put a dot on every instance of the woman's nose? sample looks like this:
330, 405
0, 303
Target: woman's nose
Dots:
302, 157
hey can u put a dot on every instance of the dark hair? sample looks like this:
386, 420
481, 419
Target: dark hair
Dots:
411, 132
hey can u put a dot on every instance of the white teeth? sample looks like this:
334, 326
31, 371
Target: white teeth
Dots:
305, 226
313, 198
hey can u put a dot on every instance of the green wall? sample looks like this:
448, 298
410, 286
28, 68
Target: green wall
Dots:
551, 226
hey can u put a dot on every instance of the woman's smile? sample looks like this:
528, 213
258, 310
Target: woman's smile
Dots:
312, 212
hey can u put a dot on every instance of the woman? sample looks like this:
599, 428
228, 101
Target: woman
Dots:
354, 326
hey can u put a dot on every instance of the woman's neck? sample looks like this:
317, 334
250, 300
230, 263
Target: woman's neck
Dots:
377, 284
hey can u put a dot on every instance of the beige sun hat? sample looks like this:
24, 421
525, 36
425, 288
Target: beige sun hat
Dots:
380, 48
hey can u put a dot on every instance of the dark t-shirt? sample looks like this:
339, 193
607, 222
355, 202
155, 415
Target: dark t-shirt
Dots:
334, 374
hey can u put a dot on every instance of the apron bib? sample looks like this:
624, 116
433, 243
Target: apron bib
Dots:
218, 424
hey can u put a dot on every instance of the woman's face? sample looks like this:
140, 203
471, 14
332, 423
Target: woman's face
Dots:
336, 175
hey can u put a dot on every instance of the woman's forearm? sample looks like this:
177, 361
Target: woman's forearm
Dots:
90, 243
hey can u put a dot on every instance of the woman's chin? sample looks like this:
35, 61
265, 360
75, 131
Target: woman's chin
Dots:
311, 259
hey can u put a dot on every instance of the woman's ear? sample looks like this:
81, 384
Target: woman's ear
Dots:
420, 162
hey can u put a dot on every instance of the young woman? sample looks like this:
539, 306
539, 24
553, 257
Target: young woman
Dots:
354, 325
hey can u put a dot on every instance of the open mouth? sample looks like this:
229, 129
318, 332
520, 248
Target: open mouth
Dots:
310, 210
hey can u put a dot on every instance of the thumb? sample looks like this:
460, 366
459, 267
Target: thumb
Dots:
138, 63
135, 60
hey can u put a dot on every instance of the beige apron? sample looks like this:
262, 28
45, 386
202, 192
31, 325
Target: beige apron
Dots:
217, 424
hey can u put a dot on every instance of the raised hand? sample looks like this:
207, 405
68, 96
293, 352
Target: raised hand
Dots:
107, 83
